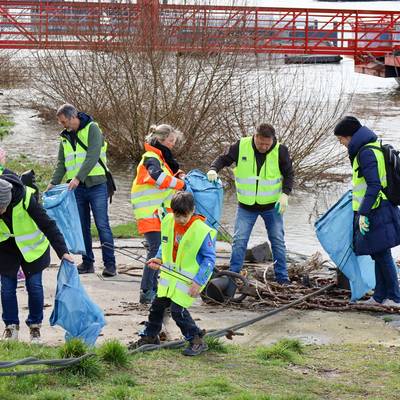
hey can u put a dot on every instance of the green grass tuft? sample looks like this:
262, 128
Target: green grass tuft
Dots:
124, 380
89, 367
119, 393
113, 352
287, 350
216, 345
5, 125
122, 231
52, 395
213, 387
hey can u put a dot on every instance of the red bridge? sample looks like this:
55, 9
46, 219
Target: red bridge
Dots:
372, 38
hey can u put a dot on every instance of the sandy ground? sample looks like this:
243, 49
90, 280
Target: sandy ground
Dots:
118, 297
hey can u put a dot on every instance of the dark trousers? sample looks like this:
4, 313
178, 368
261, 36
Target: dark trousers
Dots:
179, 314
95, 199
33, 283
150, 276
387, 284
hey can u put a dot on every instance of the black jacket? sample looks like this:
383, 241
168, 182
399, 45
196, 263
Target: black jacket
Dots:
10, 256
285, 166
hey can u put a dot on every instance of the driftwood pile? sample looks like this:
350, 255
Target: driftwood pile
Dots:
306, 277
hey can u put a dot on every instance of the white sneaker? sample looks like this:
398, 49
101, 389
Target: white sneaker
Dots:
34, 333
390, 303
11, 332
370, 302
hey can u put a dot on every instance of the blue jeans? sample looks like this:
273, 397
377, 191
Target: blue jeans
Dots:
9, 301
387, 284
150, 276
245, 220
95, 198
180, 315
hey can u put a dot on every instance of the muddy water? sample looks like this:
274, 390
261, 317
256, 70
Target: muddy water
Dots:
376, 102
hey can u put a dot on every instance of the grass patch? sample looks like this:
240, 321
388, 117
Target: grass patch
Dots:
326, 372
113, 352
5, 125
127, 230
43, 171
216, 345
287, 350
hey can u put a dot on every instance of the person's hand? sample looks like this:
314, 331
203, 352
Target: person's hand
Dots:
212, 175
73, 184
363, 223
181, 175
282, 204
49, 187
154, 263
194, 289
68, 257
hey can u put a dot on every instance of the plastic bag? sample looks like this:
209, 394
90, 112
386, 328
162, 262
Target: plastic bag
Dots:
335, 233
208, 196
60, 205
73, 309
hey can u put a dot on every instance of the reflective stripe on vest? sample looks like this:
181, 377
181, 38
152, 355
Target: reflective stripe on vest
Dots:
360, 185
75, 158
30, 240
146, 198
174, 285
251, 188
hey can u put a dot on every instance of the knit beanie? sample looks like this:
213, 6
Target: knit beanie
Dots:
347, 126
5, 193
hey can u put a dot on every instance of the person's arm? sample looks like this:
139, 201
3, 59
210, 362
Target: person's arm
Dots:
161, 179
60, 170
227, 159
48, 227
369, 170
206, 259
286, 168
95, 143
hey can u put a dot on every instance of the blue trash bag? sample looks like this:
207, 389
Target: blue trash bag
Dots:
60, 205
73, 309
335, 233
208, 196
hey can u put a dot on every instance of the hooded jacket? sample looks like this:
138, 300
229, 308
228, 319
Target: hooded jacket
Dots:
384, 228
10, 256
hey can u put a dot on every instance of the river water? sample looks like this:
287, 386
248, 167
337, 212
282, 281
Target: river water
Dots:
376, 103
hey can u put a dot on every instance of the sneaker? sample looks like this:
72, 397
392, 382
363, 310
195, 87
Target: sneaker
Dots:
390, 303
34, 333
11, 332
109, 271
286, 282
370, 302
85, 268
195, 347
143, 341
147, 297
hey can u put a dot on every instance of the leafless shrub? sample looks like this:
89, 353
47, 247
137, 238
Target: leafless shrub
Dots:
12, 71
213, 98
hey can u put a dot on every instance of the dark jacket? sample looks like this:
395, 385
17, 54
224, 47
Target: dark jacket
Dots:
95, 142
384, 221
285, 166
10, 256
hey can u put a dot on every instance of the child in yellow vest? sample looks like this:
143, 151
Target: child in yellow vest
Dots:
186, 259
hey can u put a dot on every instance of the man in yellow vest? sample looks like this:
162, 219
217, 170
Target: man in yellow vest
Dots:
186, 260
25, 234
376, 227
264, 180
82, 159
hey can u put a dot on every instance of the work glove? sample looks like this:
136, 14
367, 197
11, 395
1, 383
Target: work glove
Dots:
363, 223
282, 204
212, 175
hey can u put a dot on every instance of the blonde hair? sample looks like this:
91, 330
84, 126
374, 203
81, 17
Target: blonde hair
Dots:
161, 132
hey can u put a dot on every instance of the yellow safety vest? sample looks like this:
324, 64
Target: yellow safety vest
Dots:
75, 158
147, 198
360, 185
171, 284
251, 188
30, 240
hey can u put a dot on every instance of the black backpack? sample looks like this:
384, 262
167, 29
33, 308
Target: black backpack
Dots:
392, 164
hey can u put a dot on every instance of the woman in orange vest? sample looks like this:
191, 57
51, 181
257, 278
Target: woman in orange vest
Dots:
158, 177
